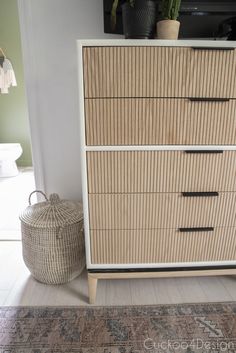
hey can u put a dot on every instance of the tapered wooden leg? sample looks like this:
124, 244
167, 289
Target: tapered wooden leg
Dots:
92, 287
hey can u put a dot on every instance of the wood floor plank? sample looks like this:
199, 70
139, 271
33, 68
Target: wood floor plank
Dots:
117, 292
229, 283
142, 291
102, 292
3, 296
167, 291
190, 290
214, 290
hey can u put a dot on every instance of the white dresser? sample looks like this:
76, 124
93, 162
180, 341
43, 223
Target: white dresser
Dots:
158, 131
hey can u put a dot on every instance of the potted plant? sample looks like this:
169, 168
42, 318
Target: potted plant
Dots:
139, 18
168, 27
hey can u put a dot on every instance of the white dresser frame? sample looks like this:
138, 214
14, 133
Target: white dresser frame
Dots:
95, 268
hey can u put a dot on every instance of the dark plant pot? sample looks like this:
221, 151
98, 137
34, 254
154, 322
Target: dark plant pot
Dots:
139, 21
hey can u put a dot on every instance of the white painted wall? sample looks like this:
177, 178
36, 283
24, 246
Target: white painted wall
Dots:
49, 29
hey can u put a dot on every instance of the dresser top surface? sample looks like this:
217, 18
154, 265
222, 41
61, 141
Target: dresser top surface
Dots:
156, 42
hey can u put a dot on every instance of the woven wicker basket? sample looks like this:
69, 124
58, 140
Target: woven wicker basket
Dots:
53, 239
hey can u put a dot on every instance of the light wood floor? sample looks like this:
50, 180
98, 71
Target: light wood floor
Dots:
17, 287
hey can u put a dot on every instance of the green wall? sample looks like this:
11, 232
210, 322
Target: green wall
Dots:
13, 107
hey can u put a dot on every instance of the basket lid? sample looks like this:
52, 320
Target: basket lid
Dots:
51, 213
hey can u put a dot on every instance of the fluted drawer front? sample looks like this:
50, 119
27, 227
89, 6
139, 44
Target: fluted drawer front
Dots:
158, 72
159, 121
162, 246
160, 171
160, 210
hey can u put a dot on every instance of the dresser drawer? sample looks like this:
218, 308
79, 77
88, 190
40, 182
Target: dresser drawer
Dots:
160, 171
159, 121
162, 246
158, 72
160, 210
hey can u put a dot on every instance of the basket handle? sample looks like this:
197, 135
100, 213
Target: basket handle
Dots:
38, 191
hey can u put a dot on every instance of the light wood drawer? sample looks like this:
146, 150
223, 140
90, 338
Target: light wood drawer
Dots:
158, 72
159, 121
160, 171
162, 246
160, 210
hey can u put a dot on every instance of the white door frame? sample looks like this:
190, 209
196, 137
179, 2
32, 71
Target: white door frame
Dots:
30, 62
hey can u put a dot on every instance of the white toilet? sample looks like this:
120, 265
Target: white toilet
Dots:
9, 153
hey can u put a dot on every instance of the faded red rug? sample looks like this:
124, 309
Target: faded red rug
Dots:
132, 329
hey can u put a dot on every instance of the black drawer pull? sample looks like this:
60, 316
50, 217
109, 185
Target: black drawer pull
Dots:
197, 229
203, 151
213, 48
200, 99
200, 194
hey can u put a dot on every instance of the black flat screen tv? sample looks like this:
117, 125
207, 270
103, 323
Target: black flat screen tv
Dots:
199, 19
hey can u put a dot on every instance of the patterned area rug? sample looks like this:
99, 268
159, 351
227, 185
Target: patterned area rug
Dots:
133, 329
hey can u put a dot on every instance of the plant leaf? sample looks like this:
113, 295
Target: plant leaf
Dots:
170, 9
113, 14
